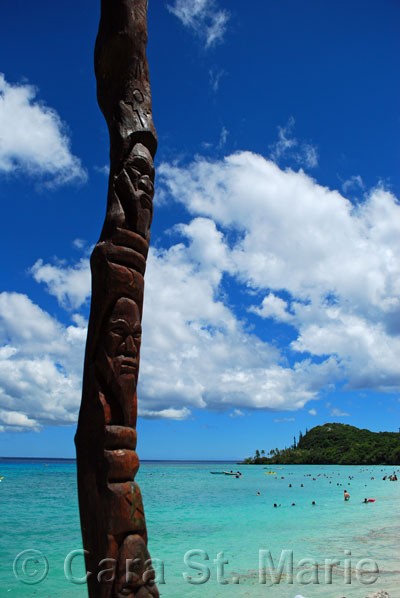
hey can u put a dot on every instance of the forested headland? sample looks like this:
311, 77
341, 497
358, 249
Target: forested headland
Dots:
338, 444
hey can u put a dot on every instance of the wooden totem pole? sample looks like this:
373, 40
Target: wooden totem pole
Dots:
111, 509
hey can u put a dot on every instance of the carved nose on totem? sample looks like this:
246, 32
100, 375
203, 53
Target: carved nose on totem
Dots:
130, 346
145, 184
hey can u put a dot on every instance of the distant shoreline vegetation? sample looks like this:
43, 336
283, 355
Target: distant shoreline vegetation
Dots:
335, 444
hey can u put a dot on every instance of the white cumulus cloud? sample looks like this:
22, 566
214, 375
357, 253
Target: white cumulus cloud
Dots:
196, 352
33, 139
336, 412
70, 284
288, 147
334, 260
171, 413
203, 17
316, 263
355, 182
40, 365
236, 413
272, 306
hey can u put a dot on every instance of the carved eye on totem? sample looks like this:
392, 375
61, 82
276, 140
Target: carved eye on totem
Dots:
121, 331
142, 165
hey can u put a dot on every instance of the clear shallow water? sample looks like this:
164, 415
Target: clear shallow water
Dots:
188, 509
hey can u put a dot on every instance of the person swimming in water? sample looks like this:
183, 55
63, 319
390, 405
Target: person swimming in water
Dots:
346, 495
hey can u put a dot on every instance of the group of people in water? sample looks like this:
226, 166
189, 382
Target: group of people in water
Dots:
346, 493
293, 503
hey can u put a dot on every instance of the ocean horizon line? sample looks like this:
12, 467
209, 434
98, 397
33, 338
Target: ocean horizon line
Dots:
73, 460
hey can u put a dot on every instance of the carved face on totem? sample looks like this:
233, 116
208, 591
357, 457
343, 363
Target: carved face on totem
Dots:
122, 339
140, 169
117, 358
138, 575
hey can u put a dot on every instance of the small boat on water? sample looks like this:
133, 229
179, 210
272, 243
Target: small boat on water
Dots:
237, 474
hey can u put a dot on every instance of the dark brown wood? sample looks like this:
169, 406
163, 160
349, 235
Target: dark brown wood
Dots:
112, 516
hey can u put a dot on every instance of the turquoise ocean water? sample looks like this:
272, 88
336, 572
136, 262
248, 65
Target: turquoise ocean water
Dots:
218, 518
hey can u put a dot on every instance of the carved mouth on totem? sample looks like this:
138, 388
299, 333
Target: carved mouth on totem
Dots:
128, 365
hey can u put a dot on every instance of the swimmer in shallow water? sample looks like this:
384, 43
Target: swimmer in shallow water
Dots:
346, 495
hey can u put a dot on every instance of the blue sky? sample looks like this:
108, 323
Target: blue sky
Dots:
272, 299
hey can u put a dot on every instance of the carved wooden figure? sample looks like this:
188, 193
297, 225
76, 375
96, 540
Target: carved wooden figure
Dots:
111, 509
